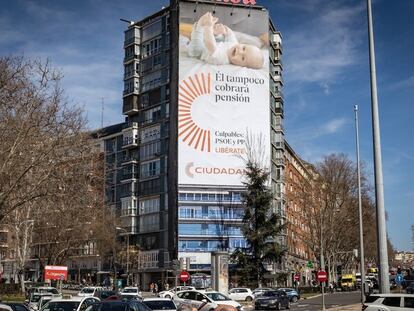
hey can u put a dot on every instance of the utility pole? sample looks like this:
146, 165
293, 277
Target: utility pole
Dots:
361, 231
379, 183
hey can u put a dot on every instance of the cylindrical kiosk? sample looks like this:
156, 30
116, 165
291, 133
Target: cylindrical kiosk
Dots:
220, 271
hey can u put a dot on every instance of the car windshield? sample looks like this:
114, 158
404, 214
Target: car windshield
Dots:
160, 304
270, 293
217, 297
87, 290
130, 290
61, 306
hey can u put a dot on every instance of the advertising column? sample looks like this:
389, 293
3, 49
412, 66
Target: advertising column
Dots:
223, 92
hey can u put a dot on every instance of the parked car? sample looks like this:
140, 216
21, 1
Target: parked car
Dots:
12, 306
170, 293
241, 294
388, 302
291, 293
207, 301
272, 299
259, 291
118, 305
131, 293
41, 289
38, 299
76, 303
89, 291
160, 304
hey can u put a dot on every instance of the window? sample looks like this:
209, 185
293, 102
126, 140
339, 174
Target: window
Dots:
150, 169
151, 205
152, 115
151, 30
149, 222
150, 151
392, 301
151, 80
150, 133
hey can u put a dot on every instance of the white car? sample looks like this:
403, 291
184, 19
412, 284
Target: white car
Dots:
207, 301
388, 302
241, 294
76, 303
131, 292
170, 293
89, 291
160, 304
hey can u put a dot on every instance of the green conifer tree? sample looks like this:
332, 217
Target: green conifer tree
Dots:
261, 227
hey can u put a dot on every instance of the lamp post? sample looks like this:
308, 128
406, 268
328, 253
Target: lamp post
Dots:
379, 183
127, 264
361, 231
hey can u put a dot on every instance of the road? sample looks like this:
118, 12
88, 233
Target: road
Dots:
331, 301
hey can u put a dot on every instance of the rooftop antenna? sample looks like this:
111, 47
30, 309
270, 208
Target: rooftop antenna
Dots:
102, 112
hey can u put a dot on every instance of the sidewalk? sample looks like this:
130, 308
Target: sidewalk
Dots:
355, 307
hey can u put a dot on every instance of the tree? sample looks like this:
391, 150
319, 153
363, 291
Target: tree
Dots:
328, 201
37, 128
261, 227
50, 182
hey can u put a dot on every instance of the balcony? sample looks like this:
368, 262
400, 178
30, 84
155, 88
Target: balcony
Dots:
130, 105
130, 135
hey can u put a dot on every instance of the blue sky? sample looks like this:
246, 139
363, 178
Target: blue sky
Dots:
326, 72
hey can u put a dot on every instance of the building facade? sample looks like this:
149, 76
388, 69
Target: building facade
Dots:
164, 215
299, 259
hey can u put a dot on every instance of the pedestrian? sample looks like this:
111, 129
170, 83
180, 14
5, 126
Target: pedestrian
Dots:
331, 288
155, 288
151, 288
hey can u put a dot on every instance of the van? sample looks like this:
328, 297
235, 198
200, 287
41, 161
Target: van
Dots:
348, 282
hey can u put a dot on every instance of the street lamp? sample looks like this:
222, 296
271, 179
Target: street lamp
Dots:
127, 264
361, 231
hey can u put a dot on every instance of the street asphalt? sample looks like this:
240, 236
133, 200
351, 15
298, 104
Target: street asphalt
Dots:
336, 301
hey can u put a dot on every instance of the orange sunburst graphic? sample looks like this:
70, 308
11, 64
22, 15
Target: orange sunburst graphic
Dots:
189, 132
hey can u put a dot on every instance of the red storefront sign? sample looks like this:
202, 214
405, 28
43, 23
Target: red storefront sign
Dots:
56, 273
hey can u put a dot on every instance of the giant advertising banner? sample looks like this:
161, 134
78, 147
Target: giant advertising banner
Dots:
223, 91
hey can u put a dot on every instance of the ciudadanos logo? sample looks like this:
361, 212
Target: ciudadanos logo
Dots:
189, 132
191, 170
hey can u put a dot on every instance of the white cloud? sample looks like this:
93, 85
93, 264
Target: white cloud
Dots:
329, 45
402, 84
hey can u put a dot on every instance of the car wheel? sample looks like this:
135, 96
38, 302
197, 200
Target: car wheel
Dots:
288, 305
278, 306
294, 299
249, 298
168, 296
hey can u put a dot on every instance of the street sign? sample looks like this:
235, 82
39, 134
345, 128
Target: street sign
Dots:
399, 278
322, 276
296, 277
309, 264
184, 276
